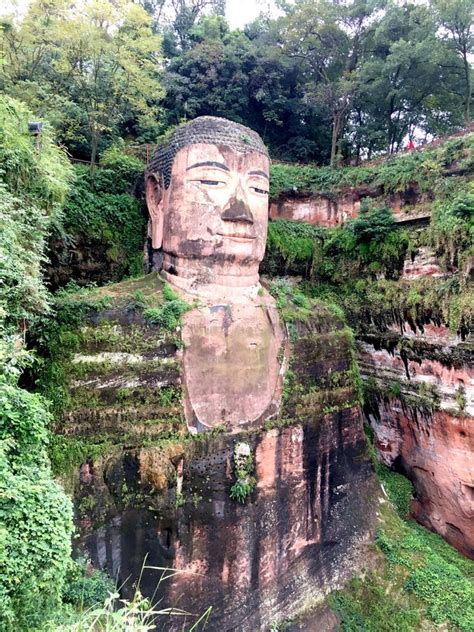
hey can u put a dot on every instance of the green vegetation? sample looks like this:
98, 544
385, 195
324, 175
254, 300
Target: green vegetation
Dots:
327, 82
366, 606
35, 514
291, 248
365, 246
86, 588
102, 210
442, 579
291, 302
105, 75
68, 453
124, 615
33, 186
169, 314
92, 602
358, 266
451, 231
316, 329
68, 330
321, 82
244, 466
427, 168
56, 338
241, 489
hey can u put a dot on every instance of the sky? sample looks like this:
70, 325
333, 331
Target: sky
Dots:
241, 12
238, 12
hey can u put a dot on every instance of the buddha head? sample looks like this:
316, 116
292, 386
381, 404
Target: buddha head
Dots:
207, 196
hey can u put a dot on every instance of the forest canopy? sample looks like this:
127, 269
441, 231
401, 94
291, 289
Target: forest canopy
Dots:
323, 82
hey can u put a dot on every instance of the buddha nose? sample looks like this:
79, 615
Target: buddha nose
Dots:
237, 211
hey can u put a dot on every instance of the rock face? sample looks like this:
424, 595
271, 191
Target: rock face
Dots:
421, 409
413, 326
423, 264
316, 209
157, 491
86, 261
331, 210
435, 450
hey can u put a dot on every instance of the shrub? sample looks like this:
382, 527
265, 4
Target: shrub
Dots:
243, 469
127, 169
23, 424
169, 314
372, 225
23, 227
452, 227
100, 207
291, 247
35, 542
34, 180
39, 172
395, 174
86, 587
399, 489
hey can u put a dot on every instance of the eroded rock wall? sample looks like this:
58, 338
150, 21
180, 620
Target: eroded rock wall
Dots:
434, 449
303, 532
412, 317
316, 209
330, 210
420, 404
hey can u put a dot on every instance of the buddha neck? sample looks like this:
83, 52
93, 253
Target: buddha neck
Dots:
215, 281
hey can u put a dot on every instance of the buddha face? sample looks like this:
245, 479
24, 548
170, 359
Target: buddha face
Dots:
216, 207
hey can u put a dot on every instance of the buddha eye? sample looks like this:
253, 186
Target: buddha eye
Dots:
259, 191
210, 183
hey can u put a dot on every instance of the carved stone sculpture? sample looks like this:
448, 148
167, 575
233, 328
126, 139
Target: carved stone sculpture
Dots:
207, 195
269, 515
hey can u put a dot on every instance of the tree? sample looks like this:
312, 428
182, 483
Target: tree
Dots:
456, 18
35, 513
176, 18
98, 60
212, 77
247, 78
328, 39
403, 84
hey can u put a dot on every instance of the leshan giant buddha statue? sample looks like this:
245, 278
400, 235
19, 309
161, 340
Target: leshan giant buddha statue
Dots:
207, 195
297, 450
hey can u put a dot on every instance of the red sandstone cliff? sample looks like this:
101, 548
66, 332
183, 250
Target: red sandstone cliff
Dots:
434, 449
419, 372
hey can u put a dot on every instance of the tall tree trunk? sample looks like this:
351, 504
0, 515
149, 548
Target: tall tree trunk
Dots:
94, 147
337, 120
467, 100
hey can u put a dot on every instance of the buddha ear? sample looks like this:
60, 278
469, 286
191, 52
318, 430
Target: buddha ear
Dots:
154, 201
